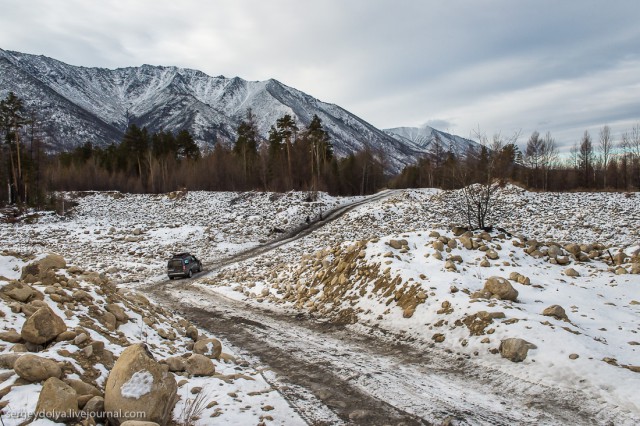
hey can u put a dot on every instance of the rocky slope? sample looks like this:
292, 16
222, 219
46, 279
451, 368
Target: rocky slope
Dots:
79, 104
74, 348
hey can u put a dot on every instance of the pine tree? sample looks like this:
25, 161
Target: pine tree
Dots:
288, 130
187, 148
133, 150
585, 157
321, 149
12, 119
246, 146
275, 158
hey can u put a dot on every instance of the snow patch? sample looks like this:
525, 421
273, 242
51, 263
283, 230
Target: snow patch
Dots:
138, 385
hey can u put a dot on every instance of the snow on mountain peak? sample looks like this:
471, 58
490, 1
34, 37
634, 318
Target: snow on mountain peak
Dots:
80, 104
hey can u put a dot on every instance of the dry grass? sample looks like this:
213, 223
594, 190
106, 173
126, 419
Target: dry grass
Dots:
192, 410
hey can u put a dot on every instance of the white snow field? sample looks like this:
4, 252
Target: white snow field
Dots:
395, 269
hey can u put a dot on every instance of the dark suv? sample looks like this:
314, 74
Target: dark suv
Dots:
183, 265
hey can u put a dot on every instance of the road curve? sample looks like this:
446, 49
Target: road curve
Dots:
296, 233
365, 378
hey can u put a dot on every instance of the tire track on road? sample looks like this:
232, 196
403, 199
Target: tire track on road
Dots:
365, 379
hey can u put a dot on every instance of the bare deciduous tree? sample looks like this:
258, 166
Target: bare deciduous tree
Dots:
605, 147
585, 157
631, 148
548, 158
533, 156
540, 155
478, 181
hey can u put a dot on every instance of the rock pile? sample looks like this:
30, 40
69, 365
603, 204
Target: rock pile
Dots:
70, 326
572, 253
385, 281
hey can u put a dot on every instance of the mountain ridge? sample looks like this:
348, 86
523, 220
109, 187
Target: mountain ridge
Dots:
95, 104
425, 137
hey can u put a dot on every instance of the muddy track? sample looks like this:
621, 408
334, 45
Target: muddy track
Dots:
366, 378
347, 401
369, 379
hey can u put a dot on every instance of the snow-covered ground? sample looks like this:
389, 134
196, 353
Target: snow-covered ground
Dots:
131, 237
602, 331
237, 394
347, 271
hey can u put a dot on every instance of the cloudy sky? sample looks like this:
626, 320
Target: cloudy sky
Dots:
497, 65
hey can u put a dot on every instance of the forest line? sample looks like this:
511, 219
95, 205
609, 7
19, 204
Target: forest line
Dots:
294, 158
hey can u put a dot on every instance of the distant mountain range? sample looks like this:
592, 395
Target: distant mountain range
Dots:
423, 139
79, 104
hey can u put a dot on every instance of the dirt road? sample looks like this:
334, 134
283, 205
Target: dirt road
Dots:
297, 233
334, 375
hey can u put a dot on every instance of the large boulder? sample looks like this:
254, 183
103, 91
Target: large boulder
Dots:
118, 312
8, 360
211, 348
450, 266
139, 384
200, 365
21, 292
57, 401
398, 244
556, 311
33, 368
31, 307
500, 288
466, 242
176, 363
192, 333
37, 270
458, 230
570, 272
95, 406
619, 258
83, 388
109, 321
438, 245
43, 326
81, 296
515, 349
621, 271
554, 251
492, 254
574, 249
11, 336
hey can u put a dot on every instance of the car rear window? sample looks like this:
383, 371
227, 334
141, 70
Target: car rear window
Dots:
175, 263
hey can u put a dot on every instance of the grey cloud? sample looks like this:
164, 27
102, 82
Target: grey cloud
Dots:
439, 124
393, 62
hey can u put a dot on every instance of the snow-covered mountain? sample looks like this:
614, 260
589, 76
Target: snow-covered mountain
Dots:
423, 139
79, 104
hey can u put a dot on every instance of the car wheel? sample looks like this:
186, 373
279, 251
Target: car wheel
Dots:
170, 278
190, 273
